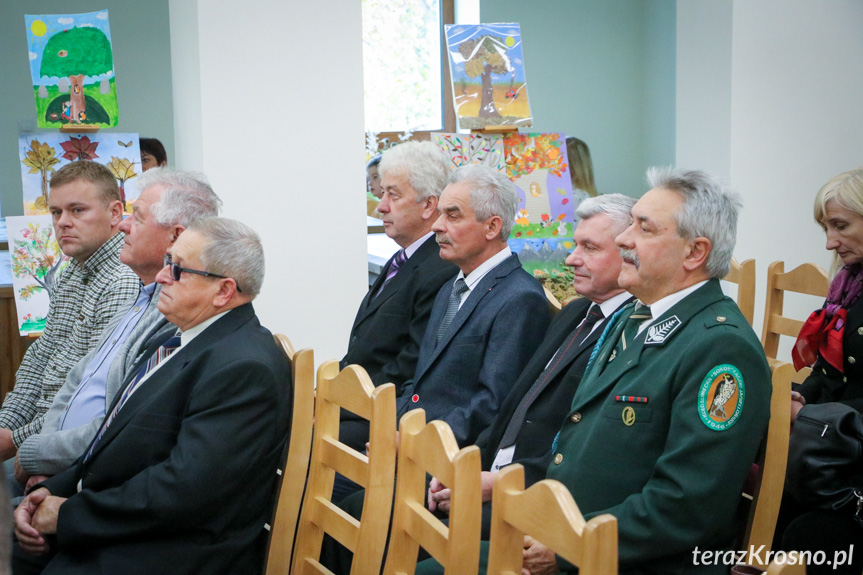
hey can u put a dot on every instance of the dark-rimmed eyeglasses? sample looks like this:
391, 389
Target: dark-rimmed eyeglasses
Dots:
177, 270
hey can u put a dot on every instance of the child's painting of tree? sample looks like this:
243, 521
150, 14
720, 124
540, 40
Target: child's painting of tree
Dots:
36, 261
468, 149
487, 71
41, 154
72, 68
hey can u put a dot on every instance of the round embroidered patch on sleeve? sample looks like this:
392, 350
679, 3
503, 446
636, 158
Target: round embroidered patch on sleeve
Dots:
720, 399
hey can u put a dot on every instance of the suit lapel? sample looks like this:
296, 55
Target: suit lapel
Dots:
232, 321
482, 289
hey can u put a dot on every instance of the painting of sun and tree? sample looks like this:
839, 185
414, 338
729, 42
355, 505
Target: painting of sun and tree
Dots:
36, 261
42, 154
72, 67
468, 149
487, 71
545, 220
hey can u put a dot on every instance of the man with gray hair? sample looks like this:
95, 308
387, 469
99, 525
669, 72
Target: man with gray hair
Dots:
528, 419
392, 318
487, 322
668, 418
169, 202
200, 419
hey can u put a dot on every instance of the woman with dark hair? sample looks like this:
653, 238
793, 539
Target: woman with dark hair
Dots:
832, 338
153, 154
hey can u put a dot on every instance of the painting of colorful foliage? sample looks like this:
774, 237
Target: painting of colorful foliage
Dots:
36, 262
44, 153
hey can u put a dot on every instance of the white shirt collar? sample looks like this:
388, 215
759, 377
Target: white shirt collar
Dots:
610, 305
482, 270
193, 332
658, 308
411, 249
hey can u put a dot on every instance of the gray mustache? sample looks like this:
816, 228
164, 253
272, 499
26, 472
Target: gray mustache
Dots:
630, 256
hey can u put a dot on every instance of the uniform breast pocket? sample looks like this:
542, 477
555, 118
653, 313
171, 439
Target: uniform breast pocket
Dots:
628, 414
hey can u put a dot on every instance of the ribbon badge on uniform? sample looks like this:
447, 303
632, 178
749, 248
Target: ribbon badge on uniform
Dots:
720, 399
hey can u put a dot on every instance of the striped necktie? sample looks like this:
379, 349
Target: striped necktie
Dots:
452, 307
161, 354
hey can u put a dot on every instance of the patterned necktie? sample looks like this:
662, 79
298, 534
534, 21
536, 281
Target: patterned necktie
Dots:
166, 349
564, 353
400, 258
452, 308
640, 314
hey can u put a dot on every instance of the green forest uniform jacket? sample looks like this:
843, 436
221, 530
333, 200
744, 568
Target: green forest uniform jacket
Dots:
652, 439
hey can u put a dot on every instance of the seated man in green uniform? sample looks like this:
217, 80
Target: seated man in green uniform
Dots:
672, 408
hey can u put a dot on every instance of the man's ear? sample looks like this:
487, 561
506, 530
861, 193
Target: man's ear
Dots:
116, 208
492, 227
430, 208
176, 230
697, 253
227, 289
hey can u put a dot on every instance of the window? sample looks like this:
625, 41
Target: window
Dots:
406, 75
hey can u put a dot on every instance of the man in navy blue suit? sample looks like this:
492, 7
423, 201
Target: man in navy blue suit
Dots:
487, 322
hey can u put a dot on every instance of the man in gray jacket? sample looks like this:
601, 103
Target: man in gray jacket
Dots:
170, 200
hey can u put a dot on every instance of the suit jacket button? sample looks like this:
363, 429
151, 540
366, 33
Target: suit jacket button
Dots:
851, 359
415, 398
558, 458
353, 338
860, 331
575, 417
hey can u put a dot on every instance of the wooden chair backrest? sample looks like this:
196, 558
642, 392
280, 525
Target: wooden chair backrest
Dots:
296, 465
772, 461
743, 274
432, 449
547, 512
554, 305
806, 279
353, 390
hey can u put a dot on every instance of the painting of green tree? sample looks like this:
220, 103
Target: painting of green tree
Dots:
72, 68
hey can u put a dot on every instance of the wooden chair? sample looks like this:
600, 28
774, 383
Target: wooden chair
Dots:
743, 274
547, 512
772, 461
432, 449
295, 468
806, 279
554, 305
353, 390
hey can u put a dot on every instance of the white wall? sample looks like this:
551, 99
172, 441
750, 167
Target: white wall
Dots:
793, 103
278, 129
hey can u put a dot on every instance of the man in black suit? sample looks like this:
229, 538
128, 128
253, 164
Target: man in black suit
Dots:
180, 479
525, 425
389, 327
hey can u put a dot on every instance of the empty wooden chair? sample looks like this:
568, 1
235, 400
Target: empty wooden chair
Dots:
808, 279
432, 449
296, 466
546, 512
353, 390
772, 461
743, 274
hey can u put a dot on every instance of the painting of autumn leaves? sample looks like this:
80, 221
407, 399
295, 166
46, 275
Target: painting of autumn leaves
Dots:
42, 154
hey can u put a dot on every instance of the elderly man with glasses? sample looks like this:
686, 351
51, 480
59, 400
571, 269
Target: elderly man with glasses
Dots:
201, 420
